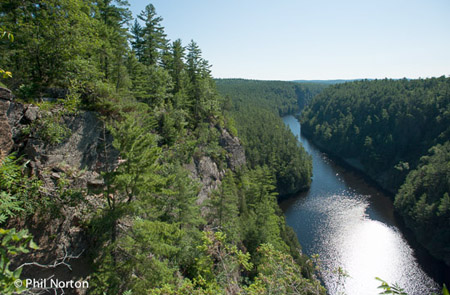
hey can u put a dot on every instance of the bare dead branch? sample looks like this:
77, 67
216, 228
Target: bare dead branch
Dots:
59, 261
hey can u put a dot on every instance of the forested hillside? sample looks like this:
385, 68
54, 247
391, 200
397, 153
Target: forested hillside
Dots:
394, 130
286, 97
118, 149
256, 107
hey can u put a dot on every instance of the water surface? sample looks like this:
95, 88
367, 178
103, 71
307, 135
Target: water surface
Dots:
351, 225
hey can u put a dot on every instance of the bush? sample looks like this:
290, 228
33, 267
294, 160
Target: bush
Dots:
18, 193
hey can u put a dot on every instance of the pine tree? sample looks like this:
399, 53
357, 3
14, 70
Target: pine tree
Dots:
153, 37
54, 40
137, 175
137, 42
224, 210
113, 37
203, 97
176, 66
179, 203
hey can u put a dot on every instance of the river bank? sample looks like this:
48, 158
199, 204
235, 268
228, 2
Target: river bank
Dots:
351, 224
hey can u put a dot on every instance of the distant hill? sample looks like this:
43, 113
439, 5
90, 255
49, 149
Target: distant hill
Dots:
328, 82
286, 97
256, 107
398, 133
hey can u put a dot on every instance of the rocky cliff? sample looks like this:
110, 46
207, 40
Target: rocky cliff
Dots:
207, 172
6, 142
77, 162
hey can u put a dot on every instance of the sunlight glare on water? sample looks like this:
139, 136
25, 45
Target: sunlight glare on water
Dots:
351, 226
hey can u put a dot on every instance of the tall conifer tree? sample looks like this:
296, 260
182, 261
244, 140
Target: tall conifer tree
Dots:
153, 36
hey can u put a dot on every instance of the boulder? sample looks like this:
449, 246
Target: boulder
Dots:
32, 113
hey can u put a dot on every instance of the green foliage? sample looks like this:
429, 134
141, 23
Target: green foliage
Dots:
222, 262
110, 17
245, 208
5, 74
396, 289
10, 206
187, 287
286, 98
151, 84
52, 129
19, 194
178, 203
45, 57
51, 126
388, 126
13, 243
230, 125
149, 247
258, 206
7, 34
388, 289
137, 175
223, 208
160, 104
203, 97
3, 33
256, 107
72, 102
385, 124
279, 275
424, 202
174, 63
150, 40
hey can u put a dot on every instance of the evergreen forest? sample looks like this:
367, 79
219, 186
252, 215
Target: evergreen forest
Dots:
125, 164
144, 229
397, 132
256, 107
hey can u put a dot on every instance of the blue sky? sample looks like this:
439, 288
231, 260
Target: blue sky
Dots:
315, 39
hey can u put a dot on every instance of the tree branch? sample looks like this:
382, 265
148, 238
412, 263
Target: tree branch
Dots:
59, 261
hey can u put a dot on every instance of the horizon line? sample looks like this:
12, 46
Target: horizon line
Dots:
332, 79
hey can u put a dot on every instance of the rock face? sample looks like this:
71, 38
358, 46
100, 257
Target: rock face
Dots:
78, 161
6, 142
83, 150
88, 148
234, 148
207, 172
5, 94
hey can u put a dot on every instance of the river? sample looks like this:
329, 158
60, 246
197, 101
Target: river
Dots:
352, 226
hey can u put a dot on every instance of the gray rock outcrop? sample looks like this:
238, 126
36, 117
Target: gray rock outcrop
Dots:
236, 153
77, 161
84, 149
205, 171
208, 173
6, 141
